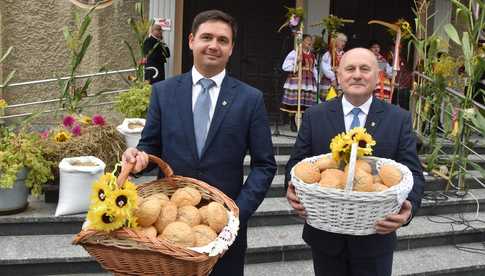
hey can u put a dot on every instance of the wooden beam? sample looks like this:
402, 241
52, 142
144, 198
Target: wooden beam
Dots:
178, 37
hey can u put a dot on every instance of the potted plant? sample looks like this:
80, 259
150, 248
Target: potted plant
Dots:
22, 167
22, 164
134, 105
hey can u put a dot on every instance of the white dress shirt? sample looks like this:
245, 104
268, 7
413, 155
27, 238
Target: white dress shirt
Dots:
348, 116
213, 91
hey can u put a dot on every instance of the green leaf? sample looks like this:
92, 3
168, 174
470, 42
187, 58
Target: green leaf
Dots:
132, 54
84, 47
477, 167
9, 77
452, 33
9, 50
84, 25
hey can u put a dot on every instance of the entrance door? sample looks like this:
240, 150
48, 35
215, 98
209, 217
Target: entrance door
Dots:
360, 33
259, 50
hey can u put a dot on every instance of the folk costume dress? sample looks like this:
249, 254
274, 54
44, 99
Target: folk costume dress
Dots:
328, 75
383, 89
308, 82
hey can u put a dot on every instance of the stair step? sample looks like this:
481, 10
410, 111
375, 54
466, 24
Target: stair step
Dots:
278, 243
415, 262
39, 217
55, 254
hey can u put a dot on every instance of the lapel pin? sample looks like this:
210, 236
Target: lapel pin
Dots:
224, 103
373, 124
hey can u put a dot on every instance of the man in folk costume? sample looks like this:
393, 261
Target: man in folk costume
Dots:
383, 89
308, 95
329, 62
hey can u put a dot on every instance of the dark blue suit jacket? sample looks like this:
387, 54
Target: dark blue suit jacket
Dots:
239, 126
391, 128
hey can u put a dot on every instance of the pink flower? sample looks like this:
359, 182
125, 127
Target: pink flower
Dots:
68, 121
294, 21
44, 134
98, 120
76, 130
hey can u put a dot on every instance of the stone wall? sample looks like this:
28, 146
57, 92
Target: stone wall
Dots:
34, 29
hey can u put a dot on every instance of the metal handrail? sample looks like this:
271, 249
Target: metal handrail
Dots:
66, 78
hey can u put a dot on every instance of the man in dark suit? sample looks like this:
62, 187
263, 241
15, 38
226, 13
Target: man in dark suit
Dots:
204, 122
337, 254
156, 52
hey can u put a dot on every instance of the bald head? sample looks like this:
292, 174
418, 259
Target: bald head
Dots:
357, 74
359, 52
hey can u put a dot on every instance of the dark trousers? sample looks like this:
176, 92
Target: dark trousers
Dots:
232, 263
343, 265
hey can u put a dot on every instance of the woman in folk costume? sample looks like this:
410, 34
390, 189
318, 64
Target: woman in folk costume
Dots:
328, 78
308, 96
383, 89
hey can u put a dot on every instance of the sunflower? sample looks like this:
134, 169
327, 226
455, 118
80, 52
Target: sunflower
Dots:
3, 104
339, 147
102, 189
123, 200
103, 219
365, 142
62, 136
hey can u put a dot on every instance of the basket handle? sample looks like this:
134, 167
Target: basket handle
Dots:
352, 160
128, 167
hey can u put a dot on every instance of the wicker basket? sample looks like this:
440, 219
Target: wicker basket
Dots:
129, 252
349, 212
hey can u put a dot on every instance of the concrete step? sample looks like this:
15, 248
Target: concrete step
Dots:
283, 243
415, 262
39, 217
54, 254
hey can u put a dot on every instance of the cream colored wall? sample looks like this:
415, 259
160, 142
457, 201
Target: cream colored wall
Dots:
34, 29
315, 11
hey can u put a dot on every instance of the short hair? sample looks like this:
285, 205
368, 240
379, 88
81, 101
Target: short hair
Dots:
305, 36
341, 36
214, 15
374, 42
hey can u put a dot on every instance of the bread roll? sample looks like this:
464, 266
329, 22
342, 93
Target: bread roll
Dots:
390, 175
307, 172
203, 234
332, 178
148, 212
179, 233
189, 215
168, 214
326, 163
186, 196
217, 216
203, 214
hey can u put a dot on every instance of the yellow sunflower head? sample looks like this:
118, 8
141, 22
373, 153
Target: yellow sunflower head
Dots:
124, 200
3, 104
101, 189
62, 136
103, 219
340, 147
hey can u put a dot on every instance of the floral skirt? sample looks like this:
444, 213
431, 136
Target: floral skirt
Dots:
308, 94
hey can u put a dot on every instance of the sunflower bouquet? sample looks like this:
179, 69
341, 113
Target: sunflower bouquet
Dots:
112, 206
341, 144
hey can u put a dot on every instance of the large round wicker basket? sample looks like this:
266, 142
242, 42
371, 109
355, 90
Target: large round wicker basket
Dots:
130, 252
350, 212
